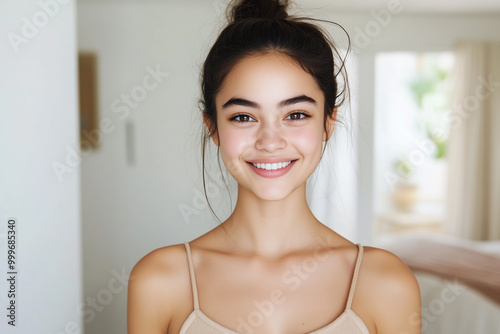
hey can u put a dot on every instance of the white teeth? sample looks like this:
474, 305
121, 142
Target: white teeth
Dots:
272, 166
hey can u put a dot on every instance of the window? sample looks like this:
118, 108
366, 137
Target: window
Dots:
410, 171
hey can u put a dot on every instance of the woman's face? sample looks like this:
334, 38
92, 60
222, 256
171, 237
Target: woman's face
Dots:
270, 125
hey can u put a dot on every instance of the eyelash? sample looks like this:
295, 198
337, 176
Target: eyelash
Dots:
305, 115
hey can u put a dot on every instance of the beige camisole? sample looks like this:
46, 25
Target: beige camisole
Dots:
347, 323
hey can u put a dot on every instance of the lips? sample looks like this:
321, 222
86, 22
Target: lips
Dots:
271, 168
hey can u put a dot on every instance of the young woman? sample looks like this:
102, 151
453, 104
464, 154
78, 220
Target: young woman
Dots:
270, 96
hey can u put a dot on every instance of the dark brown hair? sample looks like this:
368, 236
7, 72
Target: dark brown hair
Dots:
263, 26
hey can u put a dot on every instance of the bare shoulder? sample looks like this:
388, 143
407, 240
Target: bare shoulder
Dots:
158, 287
390, 286
387, 268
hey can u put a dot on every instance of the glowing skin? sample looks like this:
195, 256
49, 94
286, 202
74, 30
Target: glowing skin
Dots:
270, 110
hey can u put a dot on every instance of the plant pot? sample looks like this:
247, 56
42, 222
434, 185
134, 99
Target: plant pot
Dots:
405, 196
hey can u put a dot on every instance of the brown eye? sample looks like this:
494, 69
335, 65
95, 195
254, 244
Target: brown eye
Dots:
241, 118
297, 116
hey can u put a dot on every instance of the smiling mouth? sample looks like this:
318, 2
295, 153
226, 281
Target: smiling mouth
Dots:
272, 166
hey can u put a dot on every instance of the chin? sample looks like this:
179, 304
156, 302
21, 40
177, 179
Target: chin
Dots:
271, 194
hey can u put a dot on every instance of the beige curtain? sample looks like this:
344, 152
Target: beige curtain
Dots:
473, 205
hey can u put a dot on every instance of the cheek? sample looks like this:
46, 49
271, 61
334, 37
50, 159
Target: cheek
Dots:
309, 142
232, 144
232, 141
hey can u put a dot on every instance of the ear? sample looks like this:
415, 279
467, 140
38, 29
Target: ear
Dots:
210, 127
330, 124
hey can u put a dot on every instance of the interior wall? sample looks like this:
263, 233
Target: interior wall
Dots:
39, 177
141, 189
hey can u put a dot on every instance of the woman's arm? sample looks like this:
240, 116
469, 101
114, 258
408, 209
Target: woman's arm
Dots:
397, 296
151, 293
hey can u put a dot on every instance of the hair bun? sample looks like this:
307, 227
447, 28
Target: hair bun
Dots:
261, 9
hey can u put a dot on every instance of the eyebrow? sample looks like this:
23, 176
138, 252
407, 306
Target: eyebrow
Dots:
246, 103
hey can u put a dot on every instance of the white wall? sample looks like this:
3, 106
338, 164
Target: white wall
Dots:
131, 209
38, 120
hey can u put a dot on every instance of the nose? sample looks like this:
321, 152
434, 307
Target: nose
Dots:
270, 139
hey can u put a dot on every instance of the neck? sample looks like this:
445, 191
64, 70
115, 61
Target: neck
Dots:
271, 228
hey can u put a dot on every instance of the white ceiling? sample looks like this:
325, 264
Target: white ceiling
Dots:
409, 6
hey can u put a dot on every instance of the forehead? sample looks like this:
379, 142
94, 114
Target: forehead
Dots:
267, 78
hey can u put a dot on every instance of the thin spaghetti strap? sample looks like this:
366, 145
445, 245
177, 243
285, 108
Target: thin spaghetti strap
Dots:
354, 276
193, 278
